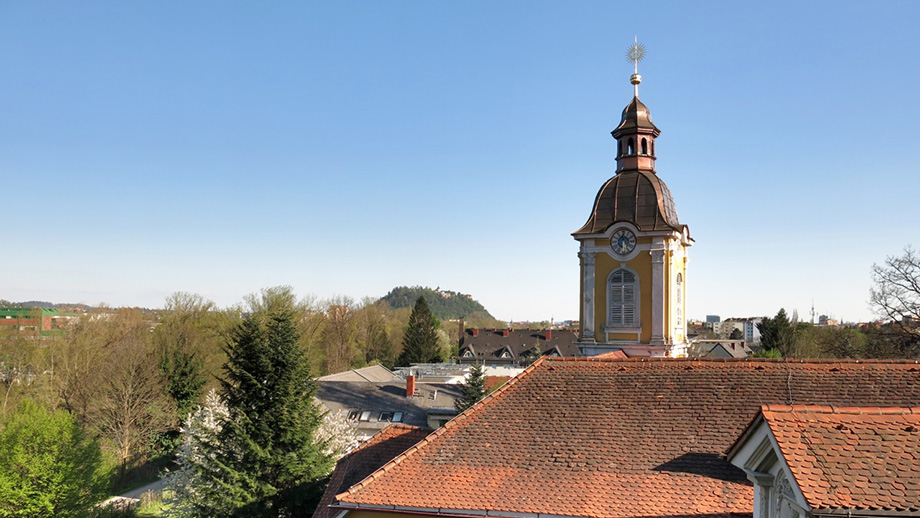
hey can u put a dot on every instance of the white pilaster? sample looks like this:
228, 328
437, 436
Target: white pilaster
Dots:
588, 261
658, 308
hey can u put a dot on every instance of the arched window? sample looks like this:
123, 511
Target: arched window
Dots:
623, 289
644, 147
630, 147
680, 287
653, 148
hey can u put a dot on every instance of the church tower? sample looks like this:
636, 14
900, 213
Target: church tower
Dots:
633, 250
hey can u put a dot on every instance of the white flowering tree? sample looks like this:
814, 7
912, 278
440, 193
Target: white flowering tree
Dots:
338, 433
191, 489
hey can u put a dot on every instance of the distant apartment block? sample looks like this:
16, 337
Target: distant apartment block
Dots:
31, 323
747, 327
824, 320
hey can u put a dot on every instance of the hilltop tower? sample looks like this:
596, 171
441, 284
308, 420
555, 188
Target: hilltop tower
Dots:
633, 250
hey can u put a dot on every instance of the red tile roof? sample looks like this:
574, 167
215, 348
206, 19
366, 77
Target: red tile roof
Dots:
494, 382
617, 438
853, 458
367, 458
612, 355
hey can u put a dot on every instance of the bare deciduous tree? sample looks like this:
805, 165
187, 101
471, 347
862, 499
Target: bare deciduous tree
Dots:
108, 377
895, 293
338, 337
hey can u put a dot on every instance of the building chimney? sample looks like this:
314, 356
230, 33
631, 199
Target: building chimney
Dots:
462, 334
549, 334
505, 332
475, 332
410, 386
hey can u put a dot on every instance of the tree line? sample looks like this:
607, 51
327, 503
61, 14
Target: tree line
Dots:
782, 336
894, 296
122, 382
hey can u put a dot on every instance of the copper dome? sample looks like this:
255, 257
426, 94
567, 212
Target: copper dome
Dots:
637, 197
635, 118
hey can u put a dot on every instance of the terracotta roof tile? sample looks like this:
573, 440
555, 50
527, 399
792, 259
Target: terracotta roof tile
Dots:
614, 438
367, 458
854, 458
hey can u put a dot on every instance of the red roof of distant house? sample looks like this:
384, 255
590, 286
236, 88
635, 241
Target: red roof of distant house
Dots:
367, 458
851, 458
612, 355
494, 382
616, 438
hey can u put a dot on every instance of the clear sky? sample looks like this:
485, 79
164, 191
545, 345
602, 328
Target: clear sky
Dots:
348, 147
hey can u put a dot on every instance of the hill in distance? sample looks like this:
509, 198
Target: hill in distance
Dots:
44, 304
444, 304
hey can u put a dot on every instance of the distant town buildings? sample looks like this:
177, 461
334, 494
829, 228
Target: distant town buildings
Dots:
720, 349
31, 323
515, 346
824, 320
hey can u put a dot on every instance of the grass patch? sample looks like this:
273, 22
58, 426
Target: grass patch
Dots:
152, 505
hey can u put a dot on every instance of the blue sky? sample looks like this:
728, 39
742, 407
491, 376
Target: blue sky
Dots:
345, 148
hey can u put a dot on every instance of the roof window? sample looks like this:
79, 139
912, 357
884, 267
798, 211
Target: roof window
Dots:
391, 417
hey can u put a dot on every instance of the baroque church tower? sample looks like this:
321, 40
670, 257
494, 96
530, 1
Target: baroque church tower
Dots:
633, 250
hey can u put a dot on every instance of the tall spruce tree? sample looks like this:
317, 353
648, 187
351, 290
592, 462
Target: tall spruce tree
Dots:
420, 343
272, 465
777, 333
474, 389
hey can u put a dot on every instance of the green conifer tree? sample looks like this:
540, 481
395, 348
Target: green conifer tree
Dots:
777, 333
474, 389
420, 344
271, 463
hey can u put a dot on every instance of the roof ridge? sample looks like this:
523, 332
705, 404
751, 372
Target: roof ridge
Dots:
388, 430
817, 361
448, 426
841, 410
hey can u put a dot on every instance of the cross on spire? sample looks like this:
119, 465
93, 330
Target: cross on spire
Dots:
635, 53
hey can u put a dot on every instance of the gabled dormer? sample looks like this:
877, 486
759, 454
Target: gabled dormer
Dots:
816, 461
505, 353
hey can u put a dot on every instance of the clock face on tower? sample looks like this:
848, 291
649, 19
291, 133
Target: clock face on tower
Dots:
623, 241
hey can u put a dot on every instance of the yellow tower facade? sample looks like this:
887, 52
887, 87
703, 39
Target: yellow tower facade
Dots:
633, 253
